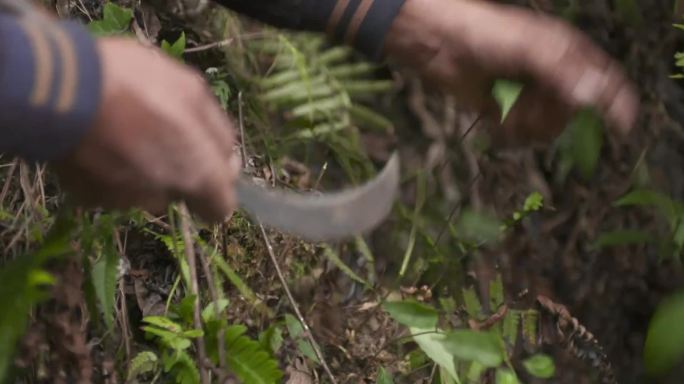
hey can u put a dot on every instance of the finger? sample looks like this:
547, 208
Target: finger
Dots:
582, 75
213, 198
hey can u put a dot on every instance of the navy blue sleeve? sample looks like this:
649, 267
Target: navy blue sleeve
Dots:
359, 23
49, 87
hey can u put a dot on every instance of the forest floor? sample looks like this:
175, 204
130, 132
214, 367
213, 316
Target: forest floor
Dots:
447, 167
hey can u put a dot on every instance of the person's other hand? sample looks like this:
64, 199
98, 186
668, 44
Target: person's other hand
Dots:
465, 45
159, 136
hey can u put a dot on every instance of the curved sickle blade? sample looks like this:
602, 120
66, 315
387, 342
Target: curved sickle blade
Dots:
326, 217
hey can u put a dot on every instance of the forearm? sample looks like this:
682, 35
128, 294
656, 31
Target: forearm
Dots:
49, 87
359, 23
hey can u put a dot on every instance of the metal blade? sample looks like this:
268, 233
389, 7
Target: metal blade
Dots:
326, 217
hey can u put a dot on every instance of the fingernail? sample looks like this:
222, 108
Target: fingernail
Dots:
589, 86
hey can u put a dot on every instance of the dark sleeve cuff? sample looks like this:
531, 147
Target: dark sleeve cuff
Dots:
49, 87
360, 23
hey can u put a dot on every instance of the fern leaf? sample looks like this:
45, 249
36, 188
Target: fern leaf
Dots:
248, 360
510, 327
143, 363
529, 326
104, 274
472, 303
496, 293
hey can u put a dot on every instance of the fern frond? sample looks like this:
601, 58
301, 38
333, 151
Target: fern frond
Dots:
248, 360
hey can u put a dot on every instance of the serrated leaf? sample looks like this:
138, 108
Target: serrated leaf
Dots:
529, 326
176, 49
115, 20
103, 275
506, 93
144, 362
540, 366
664, 346
482, 347
533, 202
510, 327
412, 314
384, 377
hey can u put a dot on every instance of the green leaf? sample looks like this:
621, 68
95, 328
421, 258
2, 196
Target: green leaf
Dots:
412, 314
478, 226
664, 346
176, 49
272, 338
209, 313
163, 323
384, 377
115, 20
623, 237
335, 259
506, 376
540, 366
506, 93
144, 362
496, 292
248, 360
586, 132
296, 331
648, 198
433, 344
533, 202
482, 347
472, 303
103, 275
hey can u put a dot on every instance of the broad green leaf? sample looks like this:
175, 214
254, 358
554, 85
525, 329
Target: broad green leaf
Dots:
272, 338
103, 274
482, 347
478, 226
506, 93
506, 376
648, 198
193, 333
412, 314
433, 344
586, 132
665, 338
115, 20
623, 237
143, 363
384, 377
540, 366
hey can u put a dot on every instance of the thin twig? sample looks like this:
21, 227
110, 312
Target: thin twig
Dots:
241, 122
295, 307
216, 44
194, 288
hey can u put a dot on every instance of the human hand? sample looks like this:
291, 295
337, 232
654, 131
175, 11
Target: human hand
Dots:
159, 136
465, 45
